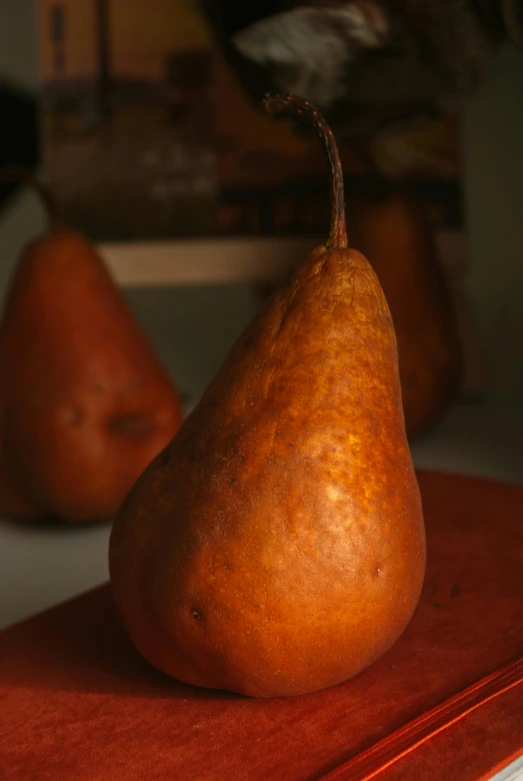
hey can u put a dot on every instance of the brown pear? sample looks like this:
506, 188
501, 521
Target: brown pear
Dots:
276, 546
85, 404
392, 229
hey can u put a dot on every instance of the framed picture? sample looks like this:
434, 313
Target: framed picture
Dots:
148, 134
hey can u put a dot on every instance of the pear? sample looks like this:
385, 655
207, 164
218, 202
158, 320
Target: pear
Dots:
392, 229
276, 546
85, 404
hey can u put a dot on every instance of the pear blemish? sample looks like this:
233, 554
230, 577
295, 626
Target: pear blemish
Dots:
305, 599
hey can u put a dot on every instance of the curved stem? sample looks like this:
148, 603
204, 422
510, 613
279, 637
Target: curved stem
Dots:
293, 104
20, 174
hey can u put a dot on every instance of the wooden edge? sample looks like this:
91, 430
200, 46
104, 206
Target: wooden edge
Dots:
205, 261
250, 260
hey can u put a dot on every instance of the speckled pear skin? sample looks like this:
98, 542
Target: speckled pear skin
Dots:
276, 546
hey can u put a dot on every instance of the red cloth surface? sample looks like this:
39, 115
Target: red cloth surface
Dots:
78, 703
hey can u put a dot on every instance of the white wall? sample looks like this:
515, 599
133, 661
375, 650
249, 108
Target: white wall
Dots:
493, 145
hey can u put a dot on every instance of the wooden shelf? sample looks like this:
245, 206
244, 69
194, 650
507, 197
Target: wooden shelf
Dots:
205, 261
218, 261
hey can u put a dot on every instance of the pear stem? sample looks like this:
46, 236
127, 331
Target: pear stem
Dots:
20, 174
276, 103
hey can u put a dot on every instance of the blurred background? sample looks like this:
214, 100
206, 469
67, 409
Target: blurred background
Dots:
144, 119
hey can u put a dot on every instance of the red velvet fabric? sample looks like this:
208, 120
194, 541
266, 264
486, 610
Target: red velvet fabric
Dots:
78, 703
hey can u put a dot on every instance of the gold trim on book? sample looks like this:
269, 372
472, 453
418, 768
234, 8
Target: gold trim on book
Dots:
398, 744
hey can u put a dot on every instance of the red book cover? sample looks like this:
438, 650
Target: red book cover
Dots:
446, 702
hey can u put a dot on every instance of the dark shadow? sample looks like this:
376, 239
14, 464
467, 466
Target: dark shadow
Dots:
19, 134
82, 647
48, 525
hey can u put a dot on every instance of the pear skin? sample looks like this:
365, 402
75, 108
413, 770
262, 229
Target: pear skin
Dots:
85, 404
390, 226
276, 546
